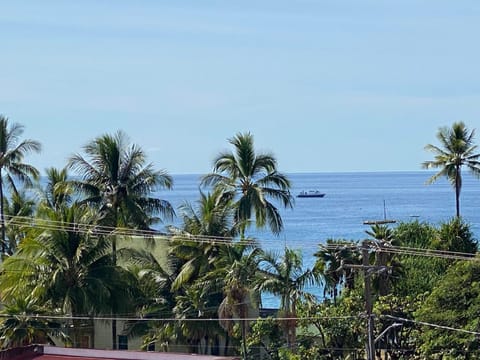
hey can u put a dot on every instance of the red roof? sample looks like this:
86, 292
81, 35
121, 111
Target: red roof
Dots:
39, 352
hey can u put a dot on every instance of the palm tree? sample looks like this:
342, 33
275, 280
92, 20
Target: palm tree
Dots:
390, 268
58, 190
329, 264
199, 246
12, 167
116, 179
251, 180
235, 272
155, 298
19, 207
284, 276
62, 262
26, 322
456, 149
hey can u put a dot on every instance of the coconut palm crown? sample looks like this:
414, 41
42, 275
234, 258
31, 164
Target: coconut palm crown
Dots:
457, 149
115, 177
252, 181
12, 167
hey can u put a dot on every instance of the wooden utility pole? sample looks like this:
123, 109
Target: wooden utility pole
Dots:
368, 270
368, 301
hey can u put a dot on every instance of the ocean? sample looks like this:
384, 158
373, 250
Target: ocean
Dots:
351, 199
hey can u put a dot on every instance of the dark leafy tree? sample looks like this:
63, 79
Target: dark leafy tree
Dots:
454, 303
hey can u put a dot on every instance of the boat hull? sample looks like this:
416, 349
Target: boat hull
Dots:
320, 195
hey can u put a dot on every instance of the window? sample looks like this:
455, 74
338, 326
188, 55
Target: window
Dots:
122, 342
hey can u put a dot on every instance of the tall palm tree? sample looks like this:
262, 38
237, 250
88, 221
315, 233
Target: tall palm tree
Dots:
253, 182
12, 167
284, 276
116, 179
457, 149
199, 245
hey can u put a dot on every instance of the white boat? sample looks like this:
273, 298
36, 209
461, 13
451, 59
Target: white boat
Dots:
311, 194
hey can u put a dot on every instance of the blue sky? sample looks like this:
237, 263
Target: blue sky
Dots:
340, 85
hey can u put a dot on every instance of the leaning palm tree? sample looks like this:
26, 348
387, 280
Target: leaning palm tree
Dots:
117, 181
252, 181
456, 150
12, 167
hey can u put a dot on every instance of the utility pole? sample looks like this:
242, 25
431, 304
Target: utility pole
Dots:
368, 301
368, 270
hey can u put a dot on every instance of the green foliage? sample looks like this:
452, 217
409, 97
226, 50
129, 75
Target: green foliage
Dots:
454, 303
329, 265
284, 276
421, 274
252, 182
13, 169
116, 178
455, 235
25, 322
400, 339
335, 331
266, 335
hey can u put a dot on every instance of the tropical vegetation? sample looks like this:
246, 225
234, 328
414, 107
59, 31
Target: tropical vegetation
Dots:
86, 248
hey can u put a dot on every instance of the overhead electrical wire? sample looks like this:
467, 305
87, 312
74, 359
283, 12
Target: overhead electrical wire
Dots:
47, 224
442, 327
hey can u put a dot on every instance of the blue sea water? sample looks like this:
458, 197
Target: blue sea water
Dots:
351, 199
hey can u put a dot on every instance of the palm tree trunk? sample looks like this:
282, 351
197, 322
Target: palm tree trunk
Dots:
114, 320
227, 344
244, 338
457, 191
2, 215
114, 260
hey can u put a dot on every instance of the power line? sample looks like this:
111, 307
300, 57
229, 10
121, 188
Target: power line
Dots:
143, 319
443, 327
94, 229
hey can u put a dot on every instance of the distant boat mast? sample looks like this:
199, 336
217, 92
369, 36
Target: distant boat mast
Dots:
381, 222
